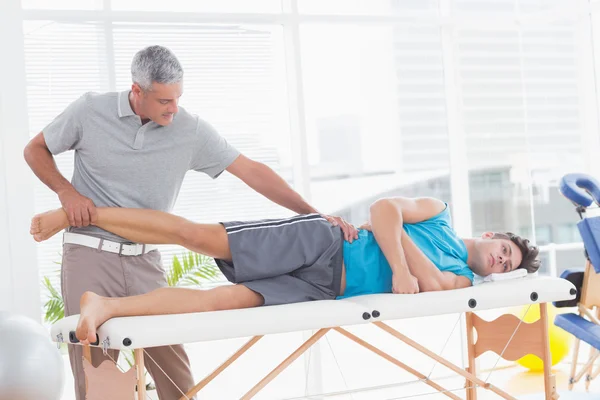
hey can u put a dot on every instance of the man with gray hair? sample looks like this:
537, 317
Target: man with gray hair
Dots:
133, 149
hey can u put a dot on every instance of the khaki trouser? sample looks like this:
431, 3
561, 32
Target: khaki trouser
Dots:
113, 275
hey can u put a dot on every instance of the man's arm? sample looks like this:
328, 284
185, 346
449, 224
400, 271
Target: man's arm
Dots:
80, 210
42, 163
429, 276
267, 182
387, 217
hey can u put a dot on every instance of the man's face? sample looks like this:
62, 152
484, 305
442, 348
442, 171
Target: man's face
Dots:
495, 255
158, 104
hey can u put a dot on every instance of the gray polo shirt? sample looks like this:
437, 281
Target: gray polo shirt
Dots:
121, 163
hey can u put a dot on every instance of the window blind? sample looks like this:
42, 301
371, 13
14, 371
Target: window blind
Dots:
62, 61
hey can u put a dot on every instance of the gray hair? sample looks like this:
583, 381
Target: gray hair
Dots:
155, 64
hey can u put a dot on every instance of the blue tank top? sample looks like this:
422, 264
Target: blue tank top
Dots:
368, 272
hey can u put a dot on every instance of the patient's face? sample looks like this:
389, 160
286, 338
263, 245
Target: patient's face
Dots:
496, 255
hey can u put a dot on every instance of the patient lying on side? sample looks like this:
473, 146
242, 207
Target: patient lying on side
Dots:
408, 246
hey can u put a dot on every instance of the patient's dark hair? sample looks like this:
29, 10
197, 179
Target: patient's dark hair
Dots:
531, 262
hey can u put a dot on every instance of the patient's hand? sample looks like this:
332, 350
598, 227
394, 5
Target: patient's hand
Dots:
404, 283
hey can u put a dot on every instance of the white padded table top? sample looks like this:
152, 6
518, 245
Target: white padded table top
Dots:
160, 330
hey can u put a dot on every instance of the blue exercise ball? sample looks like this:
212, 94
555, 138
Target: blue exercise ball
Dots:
31, 366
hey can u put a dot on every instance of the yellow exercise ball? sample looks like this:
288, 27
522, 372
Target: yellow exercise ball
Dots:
560, 340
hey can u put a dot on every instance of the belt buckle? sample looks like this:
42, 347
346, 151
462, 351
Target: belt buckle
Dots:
134, 247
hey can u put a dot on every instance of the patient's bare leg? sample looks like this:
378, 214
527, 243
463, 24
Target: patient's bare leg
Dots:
95, 310
144, 226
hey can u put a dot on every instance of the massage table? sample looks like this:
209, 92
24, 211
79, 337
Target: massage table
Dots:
507, 336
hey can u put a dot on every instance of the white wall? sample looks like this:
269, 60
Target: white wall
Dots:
19, 279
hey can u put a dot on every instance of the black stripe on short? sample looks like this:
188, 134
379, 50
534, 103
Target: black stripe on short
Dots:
273, 223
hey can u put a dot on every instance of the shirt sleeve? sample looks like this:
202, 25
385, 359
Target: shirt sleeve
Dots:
213, 153
464, 270
442, 218
65, 132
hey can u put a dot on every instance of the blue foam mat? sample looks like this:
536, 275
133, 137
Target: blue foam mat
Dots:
579, 327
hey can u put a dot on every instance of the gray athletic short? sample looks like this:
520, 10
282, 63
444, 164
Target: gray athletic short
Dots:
286, 260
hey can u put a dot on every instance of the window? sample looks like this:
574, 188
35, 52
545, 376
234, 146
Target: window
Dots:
237, 6
373, 7
62, 4
521, 113
543, 234
375, 110
62, 60
503, 7
567, 233
214, 6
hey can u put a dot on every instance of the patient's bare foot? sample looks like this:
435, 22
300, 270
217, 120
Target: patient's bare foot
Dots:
48, 224
94, 312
